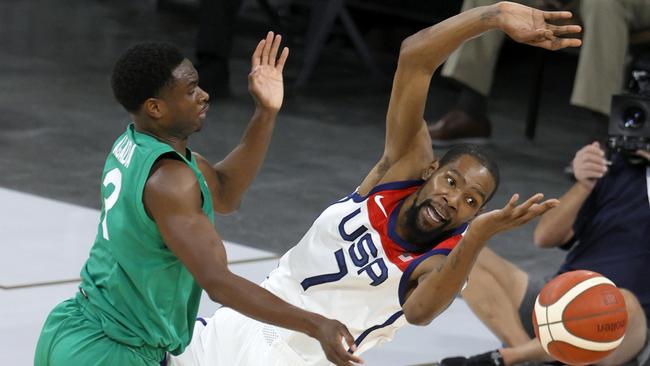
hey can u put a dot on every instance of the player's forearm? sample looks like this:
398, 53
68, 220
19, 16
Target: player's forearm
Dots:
429, 47
556, 224
439, 288
258, 303
237, 170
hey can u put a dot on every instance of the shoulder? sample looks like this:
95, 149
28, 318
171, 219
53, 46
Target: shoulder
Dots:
170, 176
200, 160
409, 167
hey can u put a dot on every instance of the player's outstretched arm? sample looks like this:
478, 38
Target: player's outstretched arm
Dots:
407, 140
438, 279
236, 171
172, 198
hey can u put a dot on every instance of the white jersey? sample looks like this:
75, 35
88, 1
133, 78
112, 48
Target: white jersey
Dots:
353, 267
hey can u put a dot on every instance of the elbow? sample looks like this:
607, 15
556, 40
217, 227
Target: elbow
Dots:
407, 49
543, 239
416, 318
227, 207
216, 285
404, 46
417, 314
423, 314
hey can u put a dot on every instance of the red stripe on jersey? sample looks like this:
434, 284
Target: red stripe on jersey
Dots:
380, 206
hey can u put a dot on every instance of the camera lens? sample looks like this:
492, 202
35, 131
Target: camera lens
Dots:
633, 117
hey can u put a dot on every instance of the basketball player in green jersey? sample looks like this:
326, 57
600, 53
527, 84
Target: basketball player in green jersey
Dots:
156, 246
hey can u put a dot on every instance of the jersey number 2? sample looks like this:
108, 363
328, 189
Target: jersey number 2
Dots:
114, 177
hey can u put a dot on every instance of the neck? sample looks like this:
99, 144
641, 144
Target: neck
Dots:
178, 143
400, 227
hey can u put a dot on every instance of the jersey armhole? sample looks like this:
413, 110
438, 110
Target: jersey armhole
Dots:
144, 177
404, 281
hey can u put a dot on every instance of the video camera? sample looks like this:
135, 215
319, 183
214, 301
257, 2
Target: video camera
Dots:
629, 119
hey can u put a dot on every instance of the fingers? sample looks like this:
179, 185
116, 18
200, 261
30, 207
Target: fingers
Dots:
524, 207
538, 209
548, 37
334, 349
565, 29
274, 49
348, 356
257, 55
266, 52
592, 152
283, 59
555, 15
644, 154
349, 339
559, 43
590, 171
589, 163
532, 208
267, 48
339, 356
513, 202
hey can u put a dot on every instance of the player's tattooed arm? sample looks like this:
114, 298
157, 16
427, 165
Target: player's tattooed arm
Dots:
407, 141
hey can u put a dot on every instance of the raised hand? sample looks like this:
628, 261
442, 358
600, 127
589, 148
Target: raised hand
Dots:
330, 334
528, 25
511, 215
589, 165
265, 81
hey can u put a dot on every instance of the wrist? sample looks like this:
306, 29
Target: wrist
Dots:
477, 235
585, 186
312, 323
492, 15
266, 112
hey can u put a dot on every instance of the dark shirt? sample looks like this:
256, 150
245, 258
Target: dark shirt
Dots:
612, 231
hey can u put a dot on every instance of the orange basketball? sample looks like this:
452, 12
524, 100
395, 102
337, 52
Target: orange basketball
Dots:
580, 317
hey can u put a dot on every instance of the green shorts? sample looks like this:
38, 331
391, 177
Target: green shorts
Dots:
70, 337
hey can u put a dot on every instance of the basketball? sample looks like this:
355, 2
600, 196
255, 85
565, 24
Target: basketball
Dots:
580, 317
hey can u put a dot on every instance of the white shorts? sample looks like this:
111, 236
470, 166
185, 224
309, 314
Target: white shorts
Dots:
230, 338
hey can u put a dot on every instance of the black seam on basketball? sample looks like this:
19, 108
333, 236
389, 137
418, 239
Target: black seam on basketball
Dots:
548, 325
589, 316
580, 318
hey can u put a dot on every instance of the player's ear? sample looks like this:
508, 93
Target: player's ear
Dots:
154, 108
428, 172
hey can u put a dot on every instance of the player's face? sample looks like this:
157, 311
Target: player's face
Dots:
452, 195
186, 104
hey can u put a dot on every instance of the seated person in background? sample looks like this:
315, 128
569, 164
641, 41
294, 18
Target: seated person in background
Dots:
398, 249
604, 219
599, 74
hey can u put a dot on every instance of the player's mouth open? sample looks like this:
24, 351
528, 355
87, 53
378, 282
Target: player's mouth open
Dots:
204, 110
434, 216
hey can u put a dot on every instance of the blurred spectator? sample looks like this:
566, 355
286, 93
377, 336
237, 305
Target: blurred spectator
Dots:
603, 218
606, 25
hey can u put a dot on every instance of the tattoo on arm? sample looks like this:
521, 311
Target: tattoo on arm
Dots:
490, 14
382, 167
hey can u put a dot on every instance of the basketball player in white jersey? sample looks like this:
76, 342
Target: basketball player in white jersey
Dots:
399, 248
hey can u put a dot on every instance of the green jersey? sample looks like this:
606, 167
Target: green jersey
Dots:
141, 293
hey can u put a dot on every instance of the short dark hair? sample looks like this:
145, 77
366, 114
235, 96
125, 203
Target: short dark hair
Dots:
142, 71
477, 153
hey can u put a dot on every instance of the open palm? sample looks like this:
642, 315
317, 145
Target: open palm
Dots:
528, 25
512, 215
265, 81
